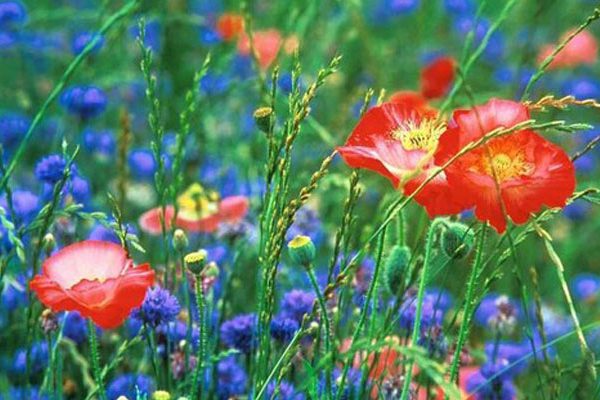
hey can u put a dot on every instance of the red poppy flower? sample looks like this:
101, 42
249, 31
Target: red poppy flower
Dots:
230, 26
266, 46
582, 49
437, 77
517, 173
398, 142
94, 278
230, 209
414, 100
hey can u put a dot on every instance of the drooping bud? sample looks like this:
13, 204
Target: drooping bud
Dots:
457, 240
48, 321
302, 250
180, 240
396, 266
262, 117
196, 261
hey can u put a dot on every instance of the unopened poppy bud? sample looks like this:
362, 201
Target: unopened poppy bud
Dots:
302, 250
196, 261
161, 395
180, 240
262, 117
48, 321
396, 266
122, 398
457, 240
48, 243
211, 270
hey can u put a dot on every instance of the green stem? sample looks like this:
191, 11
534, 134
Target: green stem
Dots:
96, 359
560, 269
463, 331
419, 310
200, 302
327, 327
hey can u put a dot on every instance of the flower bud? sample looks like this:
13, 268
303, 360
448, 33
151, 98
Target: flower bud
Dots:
396, 266
180, 240
457, 240
161, 395
302, 250
262, 117
196, 261
48, 243
211, 270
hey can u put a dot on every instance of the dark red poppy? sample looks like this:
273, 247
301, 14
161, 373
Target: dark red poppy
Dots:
516, 174
437, 77
398, 142
94, 278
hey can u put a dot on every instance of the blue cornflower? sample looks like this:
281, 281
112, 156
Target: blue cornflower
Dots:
238, 332
129, 385
430, 313
13, 127
12, 13
351, 386
84, 101
8, 40
82, 39
585, 163
296, 303
80, 189
434, 341
582, 88
481, 388
505, 353
459, 7
214, 84
152, 37
14, 294
22, 393
241, 67
498, 312
176, 331
496, 43
231, 379
283, 329
441, 298
75, 327
159, 307
99, 232
585, 286
50, 169
555, 324
38, 356
577, 210
307, 223
142, 163
285, 82
287, 391
25, 204
102, 143
209, 36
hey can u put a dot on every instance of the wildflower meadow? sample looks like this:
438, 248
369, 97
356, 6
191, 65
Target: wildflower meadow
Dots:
299, 199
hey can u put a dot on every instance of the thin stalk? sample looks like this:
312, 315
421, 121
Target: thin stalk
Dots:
200, 302
560, 269
419, 310
463, 331
96, 360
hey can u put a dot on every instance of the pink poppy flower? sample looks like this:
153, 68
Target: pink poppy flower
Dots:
94, 278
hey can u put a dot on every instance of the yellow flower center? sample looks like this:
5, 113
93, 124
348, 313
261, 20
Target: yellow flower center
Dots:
420, 136
298, 241
197, 201
503, 166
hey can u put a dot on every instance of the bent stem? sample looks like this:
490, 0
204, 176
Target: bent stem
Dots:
560, 269
96, 360
419, 310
